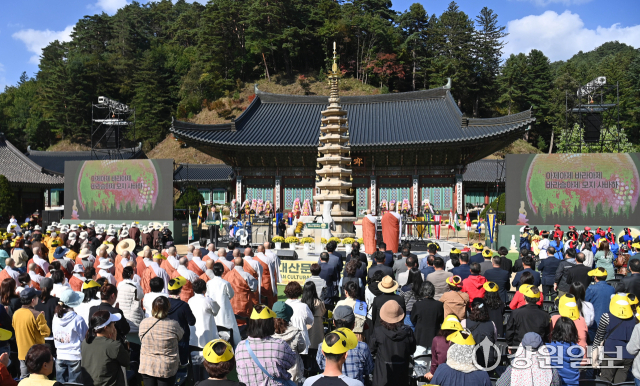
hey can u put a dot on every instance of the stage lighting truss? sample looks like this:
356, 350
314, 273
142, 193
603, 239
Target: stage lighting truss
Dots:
592, 118
112, 128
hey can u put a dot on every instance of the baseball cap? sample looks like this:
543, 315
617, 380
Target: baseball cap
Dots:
29, 293
344, 313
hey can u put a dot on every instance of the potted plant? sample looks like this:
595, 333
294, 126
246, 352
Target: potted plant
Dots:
323, 241
336, 239
306, 241
360, 240
347, 241
278, 240
292, 241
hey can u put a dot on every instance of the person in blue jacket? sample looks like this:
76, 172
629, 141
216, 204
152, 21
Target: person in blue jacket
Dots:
564, 352
558, 245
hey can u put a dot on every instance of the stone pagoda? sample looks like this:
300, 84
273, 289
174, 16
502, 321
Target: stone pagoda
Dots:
335, 160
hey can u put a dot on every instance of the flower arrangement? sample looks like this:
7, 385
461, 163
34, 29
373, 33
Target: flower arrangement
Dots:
474, 221
323, 240
277, 239
446, 222
225, 218
347, 240
292, 240
307, 240
299, 227
361, 240
336, 239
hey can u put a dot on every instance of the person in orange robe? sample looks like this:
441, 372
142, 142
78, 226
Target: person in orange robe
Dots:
154, 270
391, 227
266, 284
77, 279
245, 288
369, 233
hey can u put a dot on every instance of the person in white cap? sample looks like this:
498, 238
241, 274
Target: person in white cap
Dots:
104, 271
86, 258
77, 278
71, 239
82, 239
111, 236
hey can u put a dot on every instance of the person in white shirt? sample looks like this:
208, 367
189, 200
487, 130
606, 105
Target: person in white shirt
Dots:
221, 292
40, 261
157, 287
212, 251
173, 257
184, 271
248, 257
543, 245
251, 281
59, 284
205, 310
302, 315
104, 271
276, 261
198, 261
91, 291
35, 276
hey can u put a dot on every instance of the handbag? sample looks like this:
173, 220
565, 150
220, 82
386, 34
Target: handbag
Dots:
599, 351
283, 382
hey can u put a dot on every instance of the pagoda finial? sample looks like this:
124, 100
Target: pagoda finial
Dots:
334, 97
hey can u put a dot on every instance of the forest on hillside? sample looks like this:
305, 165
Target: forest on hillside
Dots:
169, 59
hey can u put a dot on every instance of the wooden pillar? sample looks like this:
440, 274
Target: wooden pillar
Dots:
486, 195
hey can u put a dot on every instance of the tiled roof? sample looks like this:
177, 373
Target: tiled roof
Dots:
202, 173
19, 169
54, 160
484, 171
419, 117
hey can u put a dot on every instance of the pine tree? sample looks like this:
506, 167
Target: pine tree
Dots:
8, 202
414, 23
538, 83
488, 54
511, 85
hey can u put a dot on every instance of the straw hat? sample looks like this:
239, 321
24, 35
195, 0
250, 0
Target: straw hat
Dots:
109, 247
85, 252
388, 285
391, 312
125, 245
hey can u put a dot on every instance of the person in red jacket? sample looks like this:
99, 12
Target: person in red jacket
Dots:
473, 284
518, 299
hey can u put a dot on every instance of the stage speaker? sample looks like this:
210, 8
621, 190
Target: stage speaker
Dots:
112, 135
49, 216
592, 127
260, 233
287, 254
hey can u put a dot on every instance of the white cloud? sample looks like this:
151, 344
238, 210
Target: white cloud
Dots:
544, 3
36, 40
560, 36
109, 6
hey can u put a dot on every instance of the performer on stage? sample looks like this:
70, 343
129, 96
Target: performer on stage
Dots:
391, 226
213, 229
369, 233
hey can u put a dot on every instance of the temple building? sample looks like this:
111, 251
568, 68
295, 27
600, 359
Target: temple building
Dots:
412, 146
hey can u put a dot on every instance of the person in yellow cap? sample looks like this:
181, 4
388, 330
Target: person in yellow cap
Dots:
218, 362
614, 331
262, 350
460, 368
454, 301
440, 345
568, 307
335, 349
181, 313
599, 295
477, 258
528, 318
392, 339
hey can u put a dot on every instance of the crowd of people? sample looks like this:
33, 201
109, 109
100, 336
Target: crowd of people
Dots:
101, 306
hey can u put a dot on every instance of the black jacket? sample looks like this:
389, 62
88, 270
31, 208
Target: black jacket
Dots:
427, 315
379, 301
580, 273
528, 318
393, 350
388, 271
517, 266
632, 284
49, 309
122, 326
561, 274
501, 278
506, 263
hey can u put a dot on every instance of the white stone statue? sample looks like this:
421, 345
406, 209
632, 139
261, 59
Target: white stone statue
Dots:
512, 247
327, 219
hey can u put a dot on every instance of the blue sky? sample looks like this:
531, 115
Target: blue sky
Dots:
560, 28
